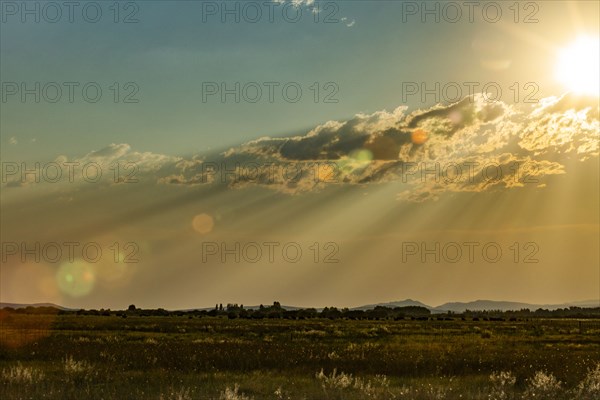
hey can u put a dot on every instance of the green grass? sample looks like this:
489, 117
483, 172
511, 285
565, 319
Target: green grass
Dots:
94, 357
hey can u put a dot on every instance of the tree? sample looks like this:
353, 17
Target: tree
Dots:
131, 308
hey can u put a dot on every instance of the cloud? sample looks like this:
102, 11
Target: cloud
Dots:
316, 8
13, 140
348, 24
113, 164
488, 145
471, 146
300, 2
122, 153
566, 125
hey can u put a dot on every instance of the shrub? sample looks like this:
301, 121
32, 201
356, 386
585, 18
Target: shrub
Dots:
73, 367
543, 386
502, 385
181, 394
589, 388
233, 394
21, 374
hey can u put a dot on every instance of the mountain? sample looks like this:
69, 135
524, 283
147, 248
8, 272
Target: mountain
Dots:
481, 305
587, 303
18, 305
403, 303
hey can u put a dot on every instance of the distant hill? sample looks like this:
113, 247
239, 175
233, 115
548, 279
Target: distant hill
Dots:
482, 305
457, 307
588, 303
393, 304
18, 305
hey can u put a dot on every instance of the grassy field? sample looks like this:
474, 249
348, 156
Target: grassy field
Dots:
178, 357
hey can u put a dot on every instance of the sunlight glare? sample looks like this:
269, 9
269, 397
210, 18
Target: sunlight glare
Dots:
578, 66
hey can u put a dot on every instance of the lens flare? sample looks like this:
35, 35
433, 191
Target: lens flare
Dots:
203, 224
418, 136
76, 279
362, 155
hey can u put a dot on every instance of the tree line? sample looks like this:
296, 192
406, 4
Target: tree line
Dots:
276, 311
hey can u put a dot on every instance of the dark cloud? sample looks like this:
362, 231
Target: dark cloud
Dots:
473, 133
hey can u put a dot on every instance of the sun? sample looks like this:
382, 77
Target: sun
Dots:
578, 66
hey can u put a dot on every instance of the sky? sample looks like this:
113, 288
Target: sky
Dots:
415, 153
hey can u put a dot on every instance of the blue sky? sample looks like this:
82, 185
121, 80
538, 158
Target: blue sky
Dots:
171, 51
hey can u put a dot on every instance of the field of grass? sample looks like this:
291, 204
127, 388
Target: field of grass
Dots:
182, 357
